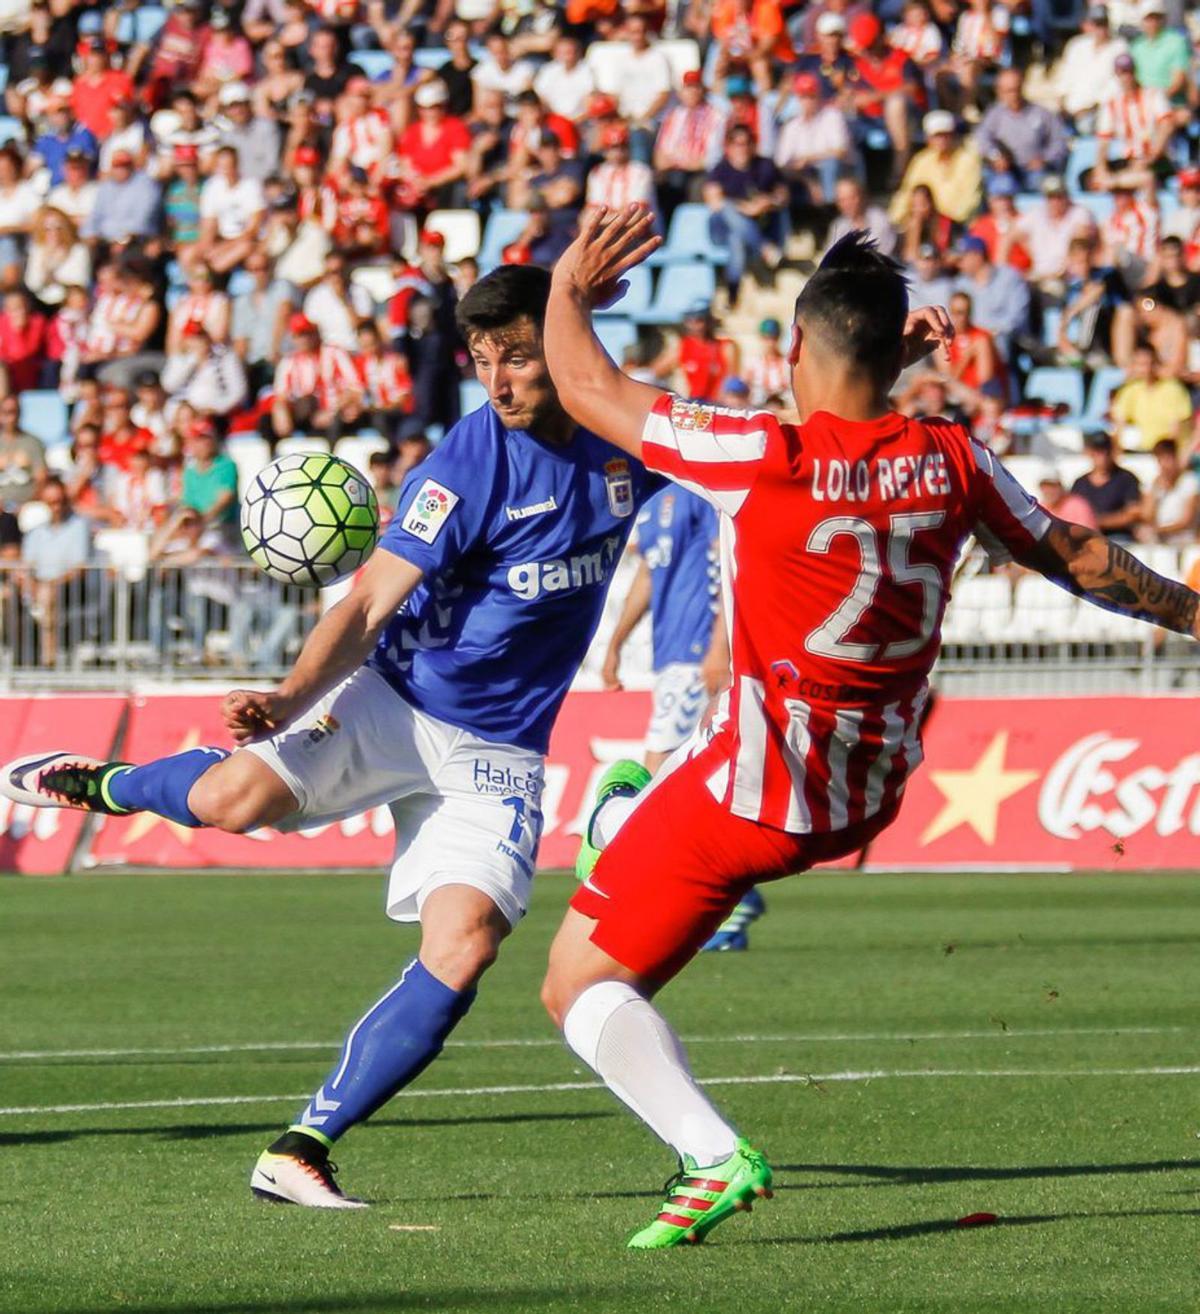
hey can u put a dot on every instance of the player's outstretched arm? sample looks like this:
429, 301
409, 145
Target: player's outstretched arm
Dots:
1103, 572
637, 604
593, 391
338, 645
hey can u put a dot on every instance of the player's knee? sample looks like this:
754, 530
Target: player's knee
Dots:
228, 797
553, 1000
459, 961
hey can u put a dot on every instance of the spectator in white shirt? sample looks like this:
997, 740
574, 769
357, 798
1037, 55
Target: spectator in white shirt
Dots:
232, 209
814, 144
565, 83
1046, 233
854, 211
75, 196
207, 375
19, 202
336, 305
1085, 77
500, 71
1185, 221
644, 86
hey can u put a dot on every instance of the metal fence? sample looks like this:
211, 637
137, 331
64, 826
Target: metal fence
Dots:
113, 626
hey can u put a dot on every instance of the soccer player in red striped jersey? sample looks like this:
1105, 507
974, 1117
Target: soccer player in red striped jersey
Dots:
839, 536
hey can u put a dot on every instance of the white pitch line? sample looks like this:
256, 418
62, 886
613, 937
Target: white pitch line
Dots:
767, 1079
797, 1038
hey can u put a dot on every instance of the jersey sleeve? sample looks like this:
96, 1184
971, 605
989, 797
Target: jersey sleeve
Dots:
1009, 521
442, 510
714, 452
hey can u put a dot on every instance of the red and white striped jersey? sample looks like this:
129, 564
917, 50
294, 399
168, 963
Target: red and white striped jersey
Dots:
365, 140
977, 37
326, 374
1133, 229
619, 185
838, 540
384, 380
1132, 120
691, 138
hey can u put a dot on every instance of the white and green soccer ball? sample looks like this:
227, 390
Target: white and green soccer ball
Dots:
309, 519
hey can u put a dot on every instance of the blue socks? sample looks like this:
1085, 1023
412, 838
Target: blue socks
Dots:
388, 1047
162, 787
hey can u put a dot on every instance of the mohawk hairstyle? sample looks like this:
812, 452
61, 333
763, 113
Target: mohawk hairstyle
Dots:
856, 304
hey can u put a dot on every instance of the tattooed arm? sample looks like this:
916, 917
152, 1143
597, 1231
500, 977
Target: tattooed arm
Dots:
1103, 572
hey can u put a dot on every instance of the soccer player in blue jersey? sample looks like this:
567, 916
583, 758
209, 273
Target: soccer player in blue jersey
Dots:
432, 687
677, 581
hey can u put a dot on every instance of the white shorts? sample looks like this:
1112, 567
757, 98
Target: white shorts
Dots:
680, 699
467, 811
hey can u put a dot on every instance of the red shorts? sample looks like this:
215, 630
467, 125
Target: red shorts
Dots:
681, 862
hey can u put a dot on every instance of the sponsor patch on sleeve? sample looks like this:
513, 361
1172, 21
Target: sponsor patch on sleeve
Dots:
429, 511
691, 415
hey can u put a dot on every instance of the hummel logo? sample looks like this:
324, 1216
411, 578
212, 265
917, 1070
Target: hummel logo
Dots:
535, 509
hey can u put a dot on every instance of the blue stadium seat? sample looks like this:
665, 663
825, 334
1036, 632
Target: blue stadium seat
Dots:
376, 64
140, 26
430, 57
1083, 156
1098, 204
471, 395
1051, 321
3, 76
615, 335
11, 129
1056, 386
688, 239
44, 415
637, 299
1104, 383
240, 282
679, 286
503, 227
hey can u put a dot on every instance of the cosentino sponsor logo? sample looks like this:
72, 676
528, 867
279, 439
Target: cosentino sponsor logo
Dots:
1093, 786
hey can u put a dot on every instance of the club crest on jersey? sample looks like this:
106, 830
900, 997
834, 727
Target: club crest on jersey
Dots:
691, 415
322, 728
618, 481
429, 511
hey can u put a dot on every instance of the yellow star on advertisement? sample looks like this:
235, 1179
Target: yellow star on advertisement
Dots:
973, 797
145, 822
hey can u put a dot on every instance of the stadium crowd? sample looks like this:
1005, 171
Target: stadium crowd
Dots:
225, 226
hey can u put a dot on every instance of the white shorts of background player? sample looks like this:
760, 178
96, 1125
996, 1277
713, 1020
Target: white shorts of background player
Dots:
467, 811
680, 699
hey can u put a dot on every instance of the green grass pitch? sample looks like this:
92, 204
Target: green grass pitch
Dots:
907, 1050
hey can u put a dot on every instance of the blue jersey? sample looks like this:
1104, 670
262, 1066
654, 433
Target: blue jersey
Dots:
677, 534
518, 540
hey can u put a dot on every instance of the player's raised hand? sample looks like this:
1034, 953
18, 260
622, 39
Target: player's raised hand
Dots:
924, 330
249, 715
609, 243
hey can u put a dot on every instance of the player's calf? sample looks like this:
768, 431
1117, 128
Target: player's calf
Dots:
239, 793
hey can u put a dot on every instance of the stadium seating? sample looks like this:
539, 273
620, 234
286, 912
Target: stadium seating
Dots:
503, 227
638, 296
376, 64
427, 57
32, 514
979, 611
358, 449
44, 415
141, 25
378, 280
688, 238
11, 129
303, 444
461, 231
616, 335
471, 395
679, 287
1104, 383
127, 550
1056, 386
249, 453
1042, 612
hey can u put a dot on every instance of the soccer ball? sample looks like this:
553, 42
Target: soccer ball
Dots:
309, 519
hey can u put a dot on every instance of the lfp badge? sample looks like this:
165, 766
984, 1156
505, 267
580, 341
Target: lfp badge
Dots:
619, 483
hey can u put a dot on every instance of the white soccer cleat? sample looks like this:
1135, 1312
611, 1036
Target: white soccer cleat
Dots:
288, 1179
61, 780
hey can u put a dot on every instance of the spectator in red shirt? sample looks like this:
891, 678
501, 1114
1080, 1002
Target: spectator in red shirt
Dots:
972, 361
888, 86
23, 343
999, 227
98, 88
361, 227
120, 437
387, 391
432, 153
177, 52
703, 358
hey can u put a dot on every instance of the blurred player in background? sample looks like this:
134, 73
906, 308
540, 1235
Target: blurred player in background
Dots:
678, 582
431, 687
839, 536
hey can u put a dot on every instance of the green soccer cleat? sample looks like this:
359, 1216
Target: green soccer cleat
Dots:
700, 1198
62, 780
624, 778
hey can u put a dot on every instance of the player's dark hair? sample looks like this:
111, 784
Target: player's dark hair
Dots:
504, 295
856, 304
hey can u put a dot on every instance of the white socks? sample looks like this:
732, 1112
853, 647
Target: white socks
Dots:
610, 817
628, 1042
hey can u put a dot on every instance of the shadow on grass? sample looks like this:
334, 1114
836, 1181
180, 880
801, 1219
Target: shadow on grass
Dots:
202, 1131
936, 1226
923, 1175
466, 1299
